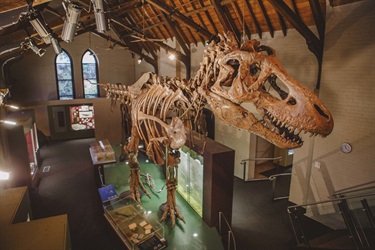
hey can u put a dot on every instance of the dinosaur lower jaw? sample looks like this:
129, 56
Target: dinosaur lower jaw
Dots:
234, 115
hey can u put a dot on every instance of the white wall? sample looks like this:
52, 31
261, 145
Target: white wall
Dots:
348, 90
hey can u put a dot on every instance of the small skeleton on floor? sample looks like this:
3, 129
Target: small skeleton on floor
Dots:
171, 183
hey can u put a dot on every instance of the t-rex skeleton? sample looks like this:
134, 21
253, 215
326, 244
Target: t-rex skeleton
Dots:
228, 76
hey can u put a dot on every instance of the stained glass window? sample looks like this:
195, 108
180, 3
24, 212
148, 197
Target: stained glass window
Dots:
64, 75
90, 74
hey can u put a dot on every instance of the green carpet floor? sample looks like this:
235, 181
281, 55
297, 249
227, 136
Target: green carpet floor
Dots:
194, 234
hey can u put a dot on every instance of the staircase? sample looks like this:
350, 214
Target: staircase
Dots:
348, 217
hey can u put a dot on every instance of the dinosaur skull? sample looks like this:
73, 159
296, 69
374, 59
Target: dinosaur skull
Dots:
284, 106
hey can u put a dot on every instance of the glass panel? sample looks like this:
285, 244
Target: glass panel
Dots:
89, 72
345, 219
63, 58
64, 71
65, 89
190, 181
64, 74
89, 57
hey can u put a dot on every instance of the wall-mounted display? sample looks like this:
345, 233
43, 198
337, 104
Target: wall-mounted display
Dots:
82, 117
190, 178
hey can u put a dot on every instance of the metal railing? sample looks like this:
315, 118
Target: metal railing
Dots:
357, 188
243, 162
229, 233
357, 220
273, 179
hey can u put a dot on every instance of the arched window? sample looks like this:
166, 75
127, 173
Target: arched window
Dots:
64, 75
90, 73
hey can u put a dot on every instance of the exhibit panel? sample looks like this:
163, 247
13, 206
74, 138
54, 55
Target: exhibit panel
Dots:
71, 121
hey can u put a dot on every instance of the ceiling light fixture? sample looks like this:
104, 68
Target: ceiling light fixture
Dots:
36, 20
29, 44
73, 12
139, 60
8, 122
100, 18
3, 94
4, 175
172, 56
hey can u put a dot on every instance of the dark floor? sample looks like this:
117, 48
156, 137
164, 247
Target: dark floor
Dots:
69, 188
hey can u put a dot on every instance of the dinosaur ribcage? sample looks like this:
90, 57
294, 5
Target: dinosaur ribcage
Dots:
158, 115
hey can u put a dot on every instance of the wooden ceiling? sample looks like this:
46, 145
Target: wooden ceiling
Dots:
155, 21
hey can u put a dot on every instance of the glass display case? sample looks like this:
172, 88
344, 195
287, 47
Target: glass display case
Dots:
190, 178
137, 228
102, 152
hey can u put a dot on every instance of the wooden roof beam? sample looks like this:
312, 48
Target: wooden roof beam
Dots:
318, 17
266, 17
137, 51
225, 19
255, 20
209, 17
180, 17
241, 17
180, 40
312, 41
178, 54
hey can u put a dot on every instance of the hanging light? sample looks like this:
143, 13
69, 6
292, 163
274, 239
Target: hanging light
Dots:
100, 18
3, 94
139, 60
29, 44
73, 12
37, 21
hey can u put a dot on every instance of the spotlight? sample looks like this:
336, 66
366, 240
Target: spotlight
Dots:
40, 26
171, 57
36, 20
100, 19
11, 107
29, 44
139, 60
73, 12
8, 122
56, 45
4, 175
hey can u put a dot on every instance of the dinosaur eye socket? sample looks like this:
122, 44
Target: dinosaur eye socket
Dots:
254, 69
277, 89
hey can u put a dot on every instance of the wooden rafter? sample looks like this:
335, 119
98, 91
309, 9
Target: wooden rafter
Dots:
266, 17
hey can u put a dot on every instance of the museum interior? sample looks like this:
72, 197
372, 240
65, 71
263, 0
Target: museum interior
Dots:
203, 124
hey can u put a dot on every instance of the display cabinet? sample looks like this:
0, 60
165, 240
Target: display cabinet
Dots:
190, 178
136, 227
101, 154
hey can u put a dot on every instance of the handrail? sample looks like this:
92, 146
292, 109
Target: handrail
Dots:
243, 162
358, 237
273, 178
230, 232
262, 159
353, 189
359, 185
330, 200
